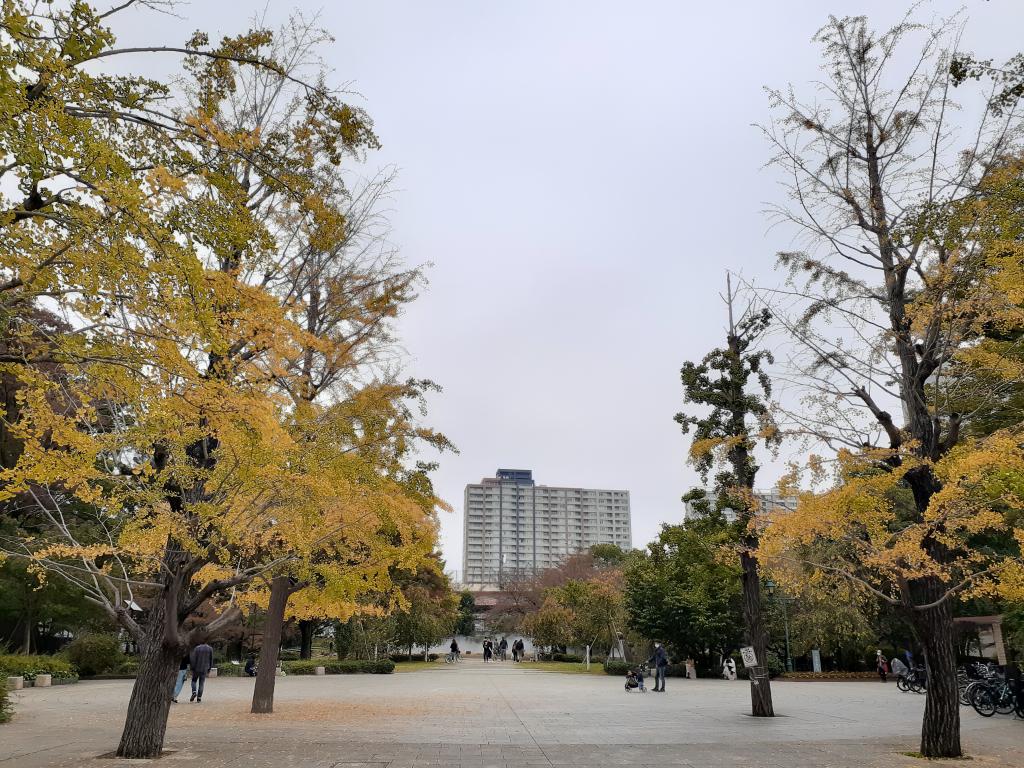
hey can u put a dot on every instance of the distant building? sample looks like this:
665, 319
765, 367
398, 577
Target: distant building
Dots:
770, 500
514, 527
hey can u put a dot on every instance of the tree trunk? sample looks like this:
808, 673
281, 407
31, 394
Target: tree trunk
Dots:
266, 673
146, 722
26, 642
307, 628
760, 689
940, 730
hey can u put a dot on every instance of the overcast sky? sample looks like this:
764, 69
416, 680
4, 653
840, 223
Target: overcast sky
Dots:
580, 175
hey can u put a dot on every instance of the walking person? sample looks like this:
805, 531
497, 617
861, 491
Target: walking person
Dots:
201, 661
503, 649
488, 651
881, 665
180, 682
660, 663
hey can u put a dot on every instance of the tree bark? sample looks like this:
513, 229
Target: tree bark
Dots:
266, 674
307, 628
146, 722
760, 689
940, 729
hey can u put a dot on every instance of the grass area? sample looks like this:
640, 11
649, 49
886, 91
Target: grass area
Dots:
417, 666
569, 667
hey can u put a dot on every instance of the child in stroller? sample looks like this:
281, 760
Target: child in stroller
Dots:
635, 679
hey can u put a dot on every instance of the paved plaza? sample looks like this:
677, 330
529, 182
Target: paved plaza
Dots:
476, 716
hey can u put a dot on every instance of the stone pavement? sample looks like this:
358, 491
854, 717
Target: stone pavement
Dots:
473, 715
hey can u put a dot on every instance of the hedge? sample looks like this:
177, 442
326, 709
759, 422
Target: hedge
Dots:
617, 668
397, 657
16, 665
347, 667
829, 675
567, 657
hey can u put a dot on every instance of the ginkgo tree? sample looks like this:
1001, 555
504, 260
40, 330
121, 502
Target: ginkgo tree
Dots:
888, 310
328, 265
155, 452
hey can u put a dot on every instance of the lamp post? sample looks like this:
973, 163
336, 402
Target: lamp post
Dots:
771, 587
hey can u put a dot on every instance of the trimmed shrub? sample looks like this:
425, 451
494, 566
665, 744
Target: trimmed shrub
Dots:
397, 657
292, 654
15, 665
567, 657
830, 675
95, 654
616, 667
334, 667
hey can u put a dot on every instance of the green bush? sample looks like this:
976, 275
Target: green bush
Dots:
291, 654
127, 667
616, 667
568, 657
334, 667
397, 657
14, 665
95, 654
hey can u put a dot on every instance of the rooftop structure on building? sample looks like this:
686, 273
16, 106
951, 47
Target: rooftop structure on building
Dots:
514, 527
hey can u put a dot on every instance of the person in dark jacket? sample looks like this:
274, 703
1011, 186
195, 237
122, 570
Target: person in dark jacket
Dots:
201, 661
250, 666
660, 663
180, 682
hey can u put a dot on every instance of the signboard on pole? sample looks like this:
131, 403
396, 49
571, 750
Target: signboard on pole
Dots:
749, 657
816, 660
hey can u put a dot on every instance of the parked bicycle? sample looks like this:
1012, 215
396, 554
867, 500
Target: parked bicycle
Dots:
915, 680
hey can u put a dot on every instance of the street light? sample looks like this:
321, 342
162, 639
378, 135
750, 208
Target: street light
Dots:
771, 586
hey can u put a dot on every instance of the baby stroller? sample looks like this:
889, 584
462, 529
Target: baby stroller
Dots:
635, 679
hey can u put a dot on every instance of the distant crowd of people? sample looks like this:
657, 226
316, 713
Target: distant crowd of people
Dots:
494, 651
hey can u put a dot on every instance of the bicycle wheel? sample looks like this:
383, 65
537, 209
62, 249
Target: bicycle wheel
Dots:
984, 701
1005, 704
964, 693
901, 683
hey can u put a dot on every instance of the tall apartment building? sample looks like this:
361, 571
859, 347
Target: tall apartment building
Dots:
513, 526
770, 501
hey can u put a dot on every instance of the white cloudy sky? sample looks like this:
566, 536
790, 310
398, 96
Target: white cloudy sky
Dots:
580, 174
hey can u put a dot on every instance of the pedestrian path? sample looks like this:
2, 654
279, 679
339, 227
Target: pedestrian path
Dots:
476, 715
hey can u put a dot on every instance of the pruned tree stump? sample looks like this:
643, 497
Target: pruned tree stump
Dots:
44, 681
320, 670
15, 683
